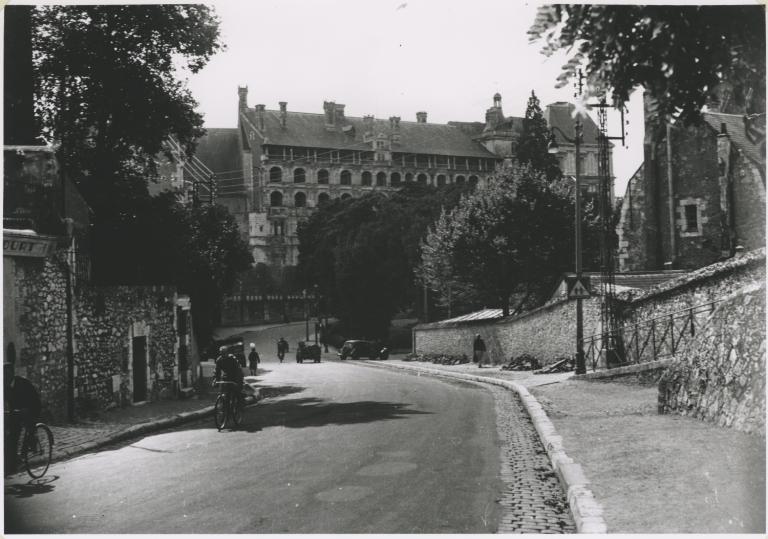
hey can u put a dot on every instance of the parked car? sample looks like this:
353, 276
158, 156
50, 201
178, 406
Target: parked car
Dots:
307, 352
357, 349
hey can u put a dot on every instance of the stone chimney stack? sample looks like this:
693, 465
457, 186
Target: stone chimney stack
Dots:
283, 112
367, 128
394, 128
339, 112
242, 93
329, 108
421, 117
260, 117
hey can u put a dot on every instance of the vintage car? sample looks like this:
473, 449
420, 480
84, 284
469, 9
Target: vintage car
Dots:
309, 352
357, 349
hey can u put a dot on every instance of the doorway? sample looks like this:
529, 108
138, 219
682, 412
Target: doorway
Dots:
139, 369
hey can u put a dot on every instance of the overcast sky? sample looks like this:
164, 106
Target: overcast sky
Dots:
388, 58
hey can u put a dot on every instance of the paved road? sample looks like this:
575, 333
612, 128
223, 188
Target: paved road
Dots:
339, 449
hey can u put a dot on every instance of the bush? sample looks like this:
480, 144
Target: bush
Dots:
438, 359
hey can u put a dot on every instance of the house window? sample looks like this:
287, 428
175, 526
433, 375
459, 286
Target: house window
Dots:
322, 198
275, 174
276, 199
440, 180
322, 176
299, 175
300, 200
459, 179
422, 178
395, 178
366, 178
408, 177
691, 217
381, 178
346, 177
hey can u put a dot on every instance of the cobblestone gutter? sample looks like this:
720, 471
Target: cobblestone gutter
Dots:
586, 511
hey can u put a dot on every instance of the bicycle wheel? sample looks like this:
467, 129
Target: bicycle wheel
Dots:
237, 411
220, 412
38, 448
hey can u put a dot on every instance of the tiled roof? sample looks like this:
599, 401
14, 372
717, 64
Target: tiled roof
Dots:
219, 149
308, 130
734, 125
559, 115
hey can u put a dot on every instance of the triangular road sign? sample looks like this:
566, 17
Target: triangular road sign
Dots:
578, 291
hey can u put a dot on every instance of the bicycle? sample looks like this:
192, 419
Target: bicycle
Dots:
36, 449
228, 405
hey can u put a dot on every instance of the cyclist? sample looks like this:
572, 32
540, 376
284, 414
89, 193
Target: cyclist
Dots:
228, 370
23, 401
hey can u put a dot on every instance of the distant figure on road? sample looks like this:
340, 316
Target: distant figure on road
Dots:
282, 348
253, 360
479, 350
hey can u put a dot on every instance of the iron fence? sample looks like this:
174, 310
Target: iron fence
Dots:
648, 340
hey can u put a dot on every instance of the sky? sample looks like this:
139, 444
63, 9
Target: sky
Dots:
389, 58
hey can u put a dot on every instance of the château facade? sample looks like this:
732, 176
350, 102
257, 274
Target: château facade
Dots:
277, 166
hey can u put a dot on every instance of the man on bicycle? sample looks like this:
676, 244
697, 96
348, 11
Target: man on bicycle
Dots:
23, 402
228, 370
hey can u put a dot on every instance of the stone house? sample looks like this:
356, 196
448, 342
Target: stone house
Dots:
698, 196
277, 166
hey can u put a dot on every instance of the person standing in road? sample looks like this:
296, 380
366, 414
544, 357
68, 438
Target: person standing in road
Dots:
282, 348
253, 360
479, 350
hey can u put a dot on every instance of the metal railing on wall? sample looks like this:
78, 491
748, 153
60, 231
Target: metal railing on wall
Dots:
657, 338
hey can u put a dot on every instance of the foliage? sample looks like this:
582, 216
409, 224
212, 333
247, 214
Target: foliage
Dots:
513, 237
532, 147
361, 252
678, 53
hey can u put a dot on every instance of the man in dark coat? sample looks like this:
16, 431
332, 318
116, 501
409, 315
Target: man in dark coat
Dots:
478, 348
22, 401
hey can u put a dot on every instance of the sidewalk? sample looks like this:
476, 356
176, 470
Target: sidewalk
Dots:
651, 473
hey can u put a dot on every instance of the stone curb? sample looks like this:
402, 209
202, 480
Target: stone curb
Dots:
587, 512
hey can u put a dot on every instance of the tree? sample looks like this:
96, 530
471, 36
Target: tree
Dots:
534, 141
680, 54
513, 237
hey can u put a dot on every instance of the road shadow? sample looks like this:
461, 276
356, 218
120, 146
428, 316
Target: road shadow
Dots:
32, 487
313, 412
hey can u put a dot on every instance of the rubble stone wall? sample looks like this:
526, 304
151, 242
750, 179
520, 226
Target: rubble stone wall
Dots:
36, 325
720, 377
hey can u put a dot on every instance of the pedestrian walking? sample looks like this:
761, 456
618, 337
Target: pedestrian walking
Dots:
478, 348
282, 348
253, 360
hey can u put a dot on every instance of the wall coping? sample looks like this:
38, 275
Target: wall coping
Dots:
625, 370
751, 258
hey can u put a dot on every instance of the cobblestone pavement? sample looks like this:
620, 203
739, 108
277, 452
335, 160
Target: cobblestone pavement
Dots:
533, 500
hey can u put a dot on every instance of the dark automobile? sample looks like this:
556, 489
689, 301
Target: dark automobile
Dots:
357, 349
308, 352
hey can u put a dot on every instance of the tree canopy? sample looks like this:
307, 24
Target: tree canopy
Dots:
680, 54
534, 140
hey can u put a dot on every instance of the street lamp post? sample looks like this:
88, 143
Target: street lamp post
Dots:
306, 315
553, 149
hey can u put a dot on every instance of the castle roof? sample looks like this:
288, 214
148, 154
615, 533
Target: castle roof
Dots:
219, 149
308, 130
752, 144
560, 115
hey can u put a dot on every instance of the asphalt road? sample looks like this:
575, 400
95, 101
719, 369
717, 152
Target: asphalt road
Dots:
339, 448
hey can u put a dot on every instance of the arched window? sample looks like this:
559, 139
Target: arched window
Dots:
459, 179
322, 176
276, 199
346, 177
408, 177
300, 200
440, 180
299, 175
345, 196
394, 179
322, 198
473, 181
421, 178
381, 178
275, 174
366, 178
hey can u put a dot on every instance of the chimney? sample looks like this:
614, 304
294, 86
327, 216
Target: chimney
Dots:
260, 117
242, 93
394, 128
421, 117
367, 128
283, 112
329, 108
339, 111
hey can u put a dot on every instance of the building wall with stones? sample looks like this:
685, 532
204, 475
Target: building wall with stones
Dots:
105, 322
720, 377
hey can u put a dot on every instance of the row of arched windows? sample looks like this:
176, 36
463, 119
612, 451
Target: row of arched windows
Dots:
366, 178
300, 199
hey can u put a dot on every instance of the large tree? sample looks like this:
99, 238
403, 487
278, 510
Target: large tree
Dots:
532, 147
512, 239
681, 54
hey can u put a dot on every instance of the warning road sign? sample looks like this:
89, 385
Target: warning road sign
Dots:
578, 288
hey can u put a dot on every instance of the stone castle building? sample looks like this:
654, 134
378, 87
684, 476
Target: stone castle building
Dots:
277, 166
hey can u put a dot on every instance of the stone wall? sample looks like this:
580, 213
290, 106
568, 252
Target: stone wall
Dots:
720, 377
104, 322
546, 333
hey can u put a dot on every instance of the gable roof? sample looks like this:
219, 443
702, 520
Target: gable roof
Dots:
736, 128
307, 130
